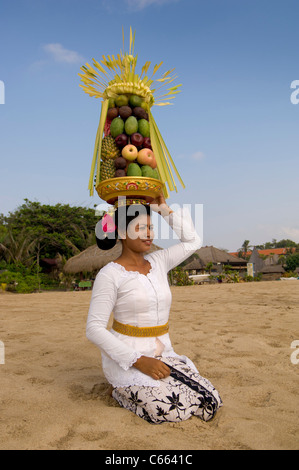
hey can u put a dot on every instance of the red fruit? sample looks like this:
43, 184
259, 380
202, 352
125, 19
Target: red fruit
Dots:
107, 127
136, 139
147, 143
121, 140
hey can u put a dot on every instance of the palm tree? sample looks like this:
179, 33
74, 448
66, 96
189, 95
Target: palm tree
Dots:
209, 267
16, 249
245, 247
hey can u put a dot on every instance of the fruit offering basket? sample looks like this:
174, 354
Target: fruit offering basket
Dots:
130, 156
144, 188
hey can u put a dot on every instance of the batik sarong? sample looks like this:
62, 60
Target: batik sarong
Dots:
183, 394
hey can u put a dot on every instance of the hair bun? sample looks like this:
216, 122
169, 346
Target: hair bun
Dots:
105, 240
106, 243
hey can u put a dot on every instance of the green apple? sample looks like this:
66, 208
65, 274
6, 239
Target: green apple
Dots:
135, 100
144, 105
121, 100
111, 103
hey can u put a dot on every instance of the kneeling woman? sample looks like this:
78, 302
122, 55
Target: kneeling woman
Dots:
138, 360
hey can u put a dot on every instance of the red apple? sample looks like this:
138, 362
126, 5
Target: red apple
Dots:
136, 139
147, 157
147, 143
130, 152
121, 140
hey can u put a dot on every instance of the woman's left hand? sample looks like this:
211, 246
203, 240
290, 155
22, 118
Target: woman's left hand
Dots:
152, 367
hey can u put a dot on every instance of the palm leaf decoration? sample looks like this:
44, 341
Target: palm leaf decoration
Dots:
116, 75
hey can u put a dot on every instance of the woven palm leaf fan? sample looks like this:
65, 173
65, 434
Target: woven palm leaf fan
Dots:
130, 156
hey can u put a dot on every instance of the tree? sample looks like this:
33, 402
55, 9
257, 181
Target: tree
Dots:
54, 229
16, 248
292, 262
209, 266
245, 246
242, 252
286, 244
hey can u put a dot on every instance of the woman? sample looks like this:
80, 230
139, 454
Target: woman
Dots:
138, 360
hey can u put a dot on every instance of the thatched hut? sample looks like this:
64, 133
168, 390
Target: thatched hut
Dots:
219, 258
272, 273
195, 266
93, 259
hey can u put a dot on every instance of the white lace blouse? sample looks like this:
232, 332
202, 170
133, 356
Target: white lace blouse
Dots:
139, 300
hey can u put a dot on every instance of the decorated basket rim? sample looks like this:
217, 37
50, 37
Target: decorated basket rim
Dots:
137, 186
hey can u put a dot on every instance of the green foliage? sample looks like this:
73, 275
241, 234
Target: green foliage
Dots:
22, 279
180, 277
285, 243
17, 282
292, 262
44, 230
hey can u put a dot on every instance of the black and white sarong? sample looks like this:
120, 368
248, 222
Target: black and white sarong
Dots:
183, 394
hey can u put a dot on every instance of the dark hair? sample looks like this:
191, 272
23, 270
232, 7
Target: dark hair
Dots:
121, 218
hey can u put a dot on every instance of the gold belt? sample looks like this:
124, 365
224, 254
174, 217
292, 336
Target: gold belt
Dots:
150, 331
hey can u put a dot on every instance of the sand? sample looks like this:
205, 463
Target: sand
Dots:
53, 394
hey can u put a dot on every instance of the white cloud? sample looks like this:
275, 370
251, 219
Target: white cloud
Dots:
194, 156
198, 156
141, 4
62, 55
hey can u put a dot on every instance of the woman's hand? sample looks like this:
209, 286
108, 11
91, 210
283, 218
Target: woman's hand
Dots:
155, 368
159, 205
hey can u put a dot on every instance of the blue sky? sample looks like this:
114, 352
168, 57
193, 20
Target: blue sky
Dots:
232, 131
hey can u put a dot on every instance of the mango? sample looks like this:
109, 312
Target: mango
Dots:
147, 171
117, 127
131, 125
143, 127
134, 170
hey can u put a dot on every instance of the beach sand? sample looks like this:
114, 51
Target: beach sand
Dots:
53, 394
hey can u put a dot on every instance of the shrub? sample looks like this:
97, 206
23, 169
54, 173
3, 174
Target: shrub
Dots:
17, 282
181, 278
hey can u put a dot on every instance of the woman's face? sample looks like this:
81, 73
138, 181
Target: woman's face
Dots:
140, 234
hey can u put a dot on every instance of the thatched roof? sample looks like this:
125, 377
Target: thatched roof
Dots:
277, 268
194, 264
208, 254
93, 259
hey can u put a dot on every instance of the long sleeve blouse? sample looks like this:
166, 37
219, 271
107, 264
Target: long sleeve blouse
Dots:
139, 300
